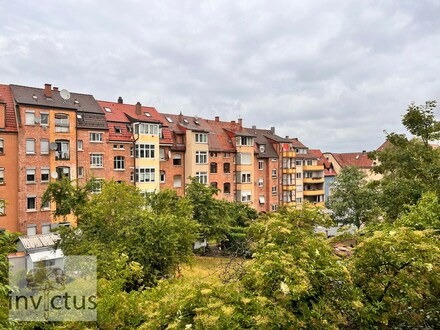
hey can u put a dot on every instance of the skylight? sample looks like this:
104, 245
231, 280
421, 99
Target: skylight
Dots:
107, 109
147, 114
34, 97
169, 119
186, 121
76, 102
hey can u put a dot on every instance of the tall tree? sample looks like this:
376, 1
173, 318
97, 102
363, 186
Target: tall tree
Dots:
351, 200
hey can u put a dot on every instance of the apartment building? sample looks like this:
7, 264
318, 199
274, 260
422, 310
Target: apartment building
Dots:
8, 162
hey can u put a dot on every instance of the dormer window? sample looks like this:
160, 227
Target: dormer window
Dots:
244, 141
118, 130
262, 148
201, 138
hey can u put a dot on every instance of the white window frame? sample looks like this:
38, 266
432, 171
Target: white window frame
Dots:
44, 150
162, 177
80, 172
274, 190
96, 160
245, 177
30, 117
177, 183
246, 196
201, 138
62, 125
261, 183
27, 203
46, 123
274, 173
96, 137
261, 165
30, 151
202, 177
2, 146
31, 171
119, 163
201, 157
145, 151
145, 174
45, 171
80, 145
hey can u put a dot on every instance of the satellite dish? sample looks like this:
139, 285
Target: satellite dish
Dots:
54, 175
65, 95
53, 146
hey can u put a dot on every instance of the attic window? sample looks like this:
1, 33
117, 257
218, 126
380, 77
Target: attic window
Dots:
169, 119
147, 114
107, 109
357, 156
196, 122
79, 115
186, 121
76, 102
129, 128
34, 97
118, 130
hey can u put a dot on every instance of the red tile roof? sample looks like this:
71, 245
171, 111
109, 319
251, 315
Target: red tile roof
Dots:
6, 97
359, 159
122, 114
297, 143
328, 167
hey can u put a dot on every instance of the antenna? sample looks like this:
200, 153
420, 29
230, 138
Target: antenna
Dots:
65, 94
53, 146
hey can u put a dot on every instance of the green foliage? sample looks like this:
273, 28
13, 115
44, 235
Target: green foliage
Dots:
420, 121
352, 200
423, 215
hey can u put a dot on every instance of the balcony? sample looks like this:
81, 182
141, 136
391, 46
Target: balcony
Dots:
289, 187
289, 170
290, 204
313, 168
313, 180
289, 154
313, 192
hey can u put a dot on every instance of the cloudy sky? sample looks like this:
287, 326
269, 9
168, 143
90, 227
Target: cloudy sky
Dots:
335, 73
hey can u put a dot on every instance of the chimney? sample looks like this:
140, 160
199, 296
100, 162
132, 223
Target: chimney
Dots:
120, 100
240, 122
287, 137
272, 130
217, 118
180, 117
254, 127
55, 89
48, 90
233, 122
138, 108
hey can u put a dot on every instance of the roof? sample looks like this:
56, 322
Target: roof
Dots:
39, 241
261, 137
6, 97
297, 143
358, 159
322, 160
85, 104
121, 114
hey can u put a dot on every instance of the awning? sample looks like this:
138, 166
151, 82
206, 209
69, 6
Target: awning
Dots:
46, 255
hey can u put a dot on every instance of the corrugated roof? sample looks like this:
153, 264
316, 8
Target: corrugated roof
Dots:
39, 241
6, 97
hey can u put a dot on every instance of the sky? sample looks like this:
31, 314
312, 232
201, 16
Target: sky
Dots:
334, 74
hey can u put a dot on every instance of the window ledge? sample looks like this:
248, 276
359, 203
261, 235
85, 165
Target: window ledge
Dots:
119, 169
31, 211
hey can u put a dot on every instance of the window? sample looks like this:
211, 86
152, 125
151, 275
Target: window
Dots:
201, 138
45, 228
162, 176
96, 160
2, 175
31, 203
243, 158
308, 175
95, 137
214, 185
227, 188
44, 147
79, 145
177, 181
145, 150
274, 190
261, 199
30, 118
107, 109
147, 114
298, 163
143, 129
260, 165
245, 177
202, 177
2, 146
213, 168
299, 200
299, 187
201, 157
63, 172
62, 152
177, 160
119, 162
30, 175
309, 162
244, 141
226, 155
31, 230
96, 186
246, 196
298, 175
213, 154
260, 183
2, 207
129, 128
44, 175
226, 168
274, 207
274, 173
161, 153
30, 146
146, 174
45, 206
44, 118
169, 119
262, 148
80, 172
118, 130
61, 122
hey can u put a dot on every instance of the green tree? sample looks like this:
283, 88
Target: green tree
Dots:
351, 200
423, 215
